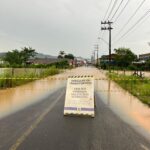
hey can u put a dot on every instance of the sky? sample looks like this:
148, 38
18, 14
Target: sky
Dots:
73, 26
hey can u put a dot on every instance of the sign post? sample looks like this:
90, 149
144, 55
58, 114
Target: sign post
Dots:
79, 98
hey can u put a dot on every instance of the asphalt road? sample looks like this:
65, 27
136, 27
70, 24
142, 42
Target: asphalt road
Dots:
42, 126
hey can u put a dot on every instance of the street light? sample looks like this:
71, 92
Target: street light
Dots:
103, 40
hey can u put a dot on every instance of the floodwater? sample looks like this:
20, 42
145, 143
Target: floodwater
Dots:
14, 99
126, 106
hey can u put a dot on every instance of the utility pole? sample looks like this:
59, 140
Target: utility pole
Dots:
93, 57
96, 49
109, 28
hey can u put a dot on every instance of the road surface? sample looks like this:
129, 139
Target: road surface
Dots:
42, 126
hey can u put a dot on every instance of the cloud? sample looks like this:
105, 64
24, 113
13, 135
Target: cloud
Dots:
53, 25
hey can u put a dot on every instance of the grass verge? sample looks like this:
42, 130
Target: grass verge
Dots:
139, 87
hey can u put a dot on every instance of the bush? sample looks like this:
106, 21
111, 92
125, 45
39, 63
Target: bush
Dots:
132, 67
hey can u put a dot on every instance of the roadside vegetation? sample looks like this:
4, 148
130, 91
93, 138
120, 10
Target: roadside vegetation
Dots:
124, 59
11, 78
20, 60
7, 80
139, 87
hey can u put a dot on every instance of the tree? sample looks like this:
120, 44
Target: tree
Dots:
13, 57
69, 56
17, 57
26, 53
61, 54
124, 57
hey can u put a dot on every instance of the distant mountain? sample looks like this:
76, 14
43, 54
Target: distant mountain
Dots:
38, 55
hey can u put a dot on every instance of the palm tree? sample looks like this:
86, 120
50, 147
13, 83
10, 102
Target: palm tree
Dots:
61, 54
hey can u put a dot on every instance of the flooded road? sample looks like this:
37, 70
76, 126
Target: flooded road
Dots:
126, 106
14, 99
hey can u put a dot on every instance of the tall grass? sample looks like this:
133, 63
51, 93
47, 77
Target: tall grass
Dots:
49, 72
139, 87
8, 80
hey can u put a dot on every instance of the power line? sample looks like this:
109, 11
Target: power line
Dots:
117, 9
109, 5
122, 11
107, 9
137, 22
114, 4
135, 12
106, 15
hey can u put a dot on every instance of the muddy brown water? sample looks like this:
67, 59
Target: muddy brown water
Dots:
126, 106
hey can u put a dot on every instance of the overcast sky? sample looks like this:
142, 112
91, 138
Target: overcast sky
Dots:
70, 25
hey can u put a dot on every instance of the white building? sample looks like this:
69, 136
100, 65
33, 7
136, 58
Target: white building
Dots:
144, 57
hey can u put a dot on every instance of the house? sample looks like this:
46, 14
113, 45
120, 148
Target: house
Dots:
38, 61
80, 61
144, 57
105, 58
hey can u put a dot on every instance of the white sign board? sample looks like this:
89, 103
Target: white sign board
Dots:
80, 96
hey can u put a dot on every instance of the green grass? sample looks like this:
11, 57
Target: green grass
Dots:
49, 72
139, 87
8, 81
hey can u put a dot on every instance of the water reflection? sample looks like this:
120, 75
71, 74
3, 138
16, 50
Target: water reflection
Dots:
109, 93
120, 101
13, 99
124, 104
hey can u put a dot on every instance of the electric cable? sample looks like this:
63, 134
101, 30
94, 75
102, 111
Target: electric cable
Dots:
117, 9
122, 10
135, 12
137, 22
